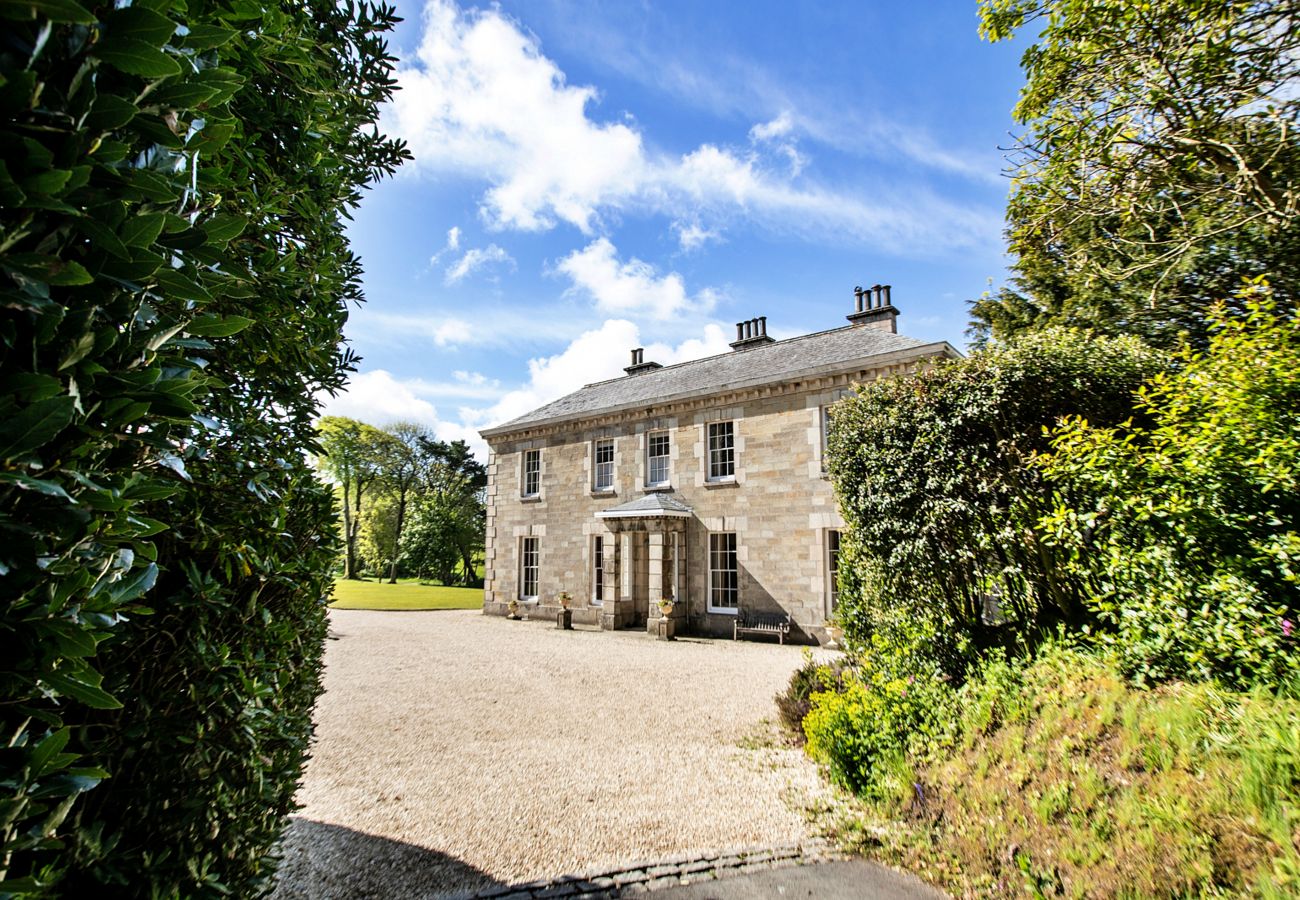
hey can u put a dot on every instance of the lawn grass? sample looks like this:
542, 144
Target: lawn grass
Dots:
408, 593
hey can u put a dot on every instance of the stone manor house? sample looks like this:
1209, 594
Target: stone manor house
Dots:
703, 481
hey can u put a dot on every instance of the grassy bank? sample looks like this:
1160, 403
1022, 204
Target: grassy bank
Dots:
1065, 780
408, 593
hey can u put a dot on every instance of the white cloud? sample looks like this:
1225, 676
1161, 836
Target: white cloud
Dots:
453, 331
498, 326
595, 355
481, 100
475, 259
452, 245
692, 235
632, 286
781, 126
380, 399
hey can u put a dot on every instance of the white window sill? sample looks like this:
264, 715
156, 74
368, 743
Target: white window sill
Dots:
531, 498
730, 481
723, 611
655, 488
604, 492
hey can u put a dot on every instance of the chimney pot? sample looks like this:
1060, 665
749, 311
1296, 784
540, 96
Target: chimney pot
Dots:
740, 331
762, 326
857, 297
875, 309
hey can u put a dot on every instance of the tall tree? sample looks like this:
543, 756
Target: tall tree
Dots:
404, 461
458, 480
351, 458
1159, 167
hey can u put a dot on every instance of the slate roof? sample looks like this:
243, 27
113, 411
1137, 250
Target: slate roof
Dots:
826, 351
655, 504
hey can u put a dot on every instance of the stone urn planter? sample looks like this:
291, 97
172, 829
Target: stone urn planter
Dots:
513, 606
665, 608
836, 635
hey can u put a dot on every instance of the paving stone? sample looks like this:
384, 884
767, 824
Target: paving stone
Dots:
625, 878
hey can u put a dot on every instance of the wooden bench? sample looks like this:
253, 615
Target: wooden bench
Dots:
750, 622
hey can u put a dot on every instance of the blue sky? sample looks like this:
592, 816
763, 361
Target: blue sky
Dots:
591, 177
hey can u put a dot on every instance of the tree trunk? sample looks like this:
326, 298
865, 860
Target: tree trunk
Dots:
397, 535
356, 527
349, 546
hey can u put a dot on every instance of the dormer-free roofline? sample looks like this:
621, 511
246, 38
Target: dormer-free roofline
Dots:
867, 361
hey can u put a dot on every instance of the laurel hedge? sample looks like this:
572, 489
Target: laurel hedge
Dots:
174, 278
944, 557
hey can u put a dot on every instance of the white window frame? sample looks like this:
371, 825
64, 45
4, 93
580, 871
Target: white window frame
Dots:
667, 458
734, 588
833, 538
524, 473
596, 465
597, 570
713, 455
524, 567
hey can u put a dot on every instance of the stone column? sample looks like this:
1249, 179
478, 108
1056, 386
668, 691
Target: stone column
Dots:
656, 578
614, 567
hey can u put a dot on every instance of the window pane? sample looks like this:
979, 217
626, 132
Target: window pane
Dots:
724, 573
604, 453
833, 565
722, 453
598, 569
657, 451
532, 472
528, 567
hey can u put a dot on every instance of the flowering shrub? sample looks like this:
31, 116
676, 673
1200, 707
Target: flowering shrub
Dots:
863, 731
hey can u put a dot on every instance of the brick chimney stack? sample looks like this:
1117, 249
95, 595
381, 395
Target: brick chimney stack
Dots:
751, 333
872, 308
639, 364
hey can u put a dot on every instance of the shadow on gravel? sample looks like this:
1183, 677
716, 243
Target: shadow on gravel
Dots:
321, 860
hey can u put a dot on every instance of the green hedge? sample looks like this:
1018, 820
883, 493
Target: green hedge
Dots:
935, 482
174, 273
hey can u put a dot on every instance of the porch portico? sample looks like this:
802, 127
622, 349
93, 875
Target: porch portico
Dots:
647, 562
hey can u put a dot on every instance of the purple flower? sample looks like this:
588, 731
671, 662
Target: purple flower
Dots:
1287, 627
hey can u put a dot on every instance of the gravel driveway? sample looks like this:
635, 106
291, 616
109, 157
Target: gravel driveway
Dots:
456, 751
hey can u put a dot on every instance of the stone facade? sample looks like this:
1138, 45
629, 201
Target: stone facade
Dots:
776, 501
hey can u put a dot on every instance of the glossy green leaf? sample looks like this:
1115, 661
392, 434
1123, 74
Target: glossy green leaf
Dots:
139, 23
142, 230
218, 326
182, 286
34, 426
37, 485
50, 747
137, 57
75, 688
110, 112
